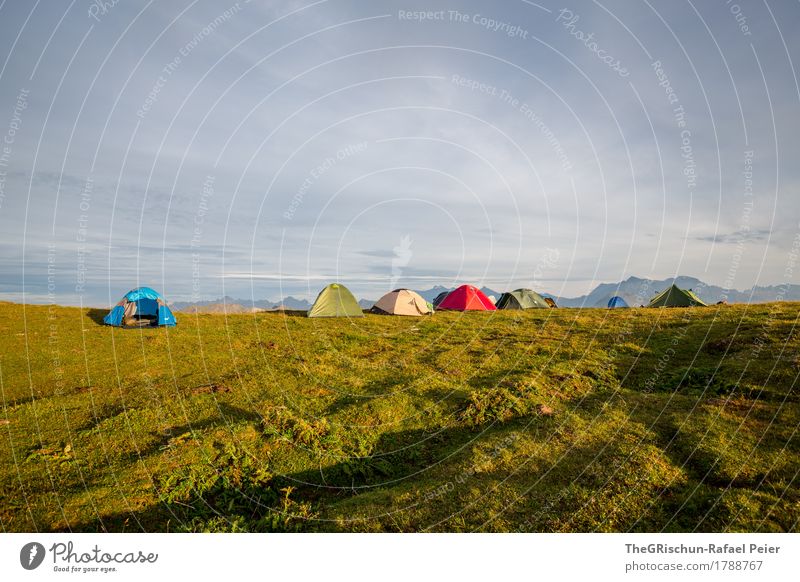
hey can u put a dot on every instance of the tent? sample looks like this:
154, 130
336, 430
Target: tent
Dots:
467, 298
673, 296
439, 298
521, 299
140, 308
335, 300
617, 302
550, 302
402, 302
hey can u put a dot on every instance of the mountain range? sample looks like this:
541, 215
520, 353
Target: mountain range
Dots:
634, 290
230, 305
637, 291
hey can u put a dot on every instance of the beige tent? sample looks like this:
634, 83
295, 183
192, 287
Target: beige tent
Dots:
402, 302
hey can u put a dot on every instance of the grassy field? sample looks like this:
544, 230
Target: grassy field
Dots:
558, 420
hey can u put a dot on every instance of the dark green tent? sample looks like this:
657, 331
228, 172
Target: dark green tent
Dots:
673, 296
335, 301
522, 299
439, 298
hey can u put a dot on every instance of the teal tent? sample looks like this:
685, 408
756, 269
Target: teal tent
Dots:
617, 302
141, 307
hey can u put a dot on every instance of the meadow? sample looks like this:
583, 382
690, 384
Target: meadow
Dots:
560, 420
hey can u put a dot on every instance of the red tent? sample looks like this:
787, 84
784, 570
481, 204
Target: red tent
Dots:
467, 298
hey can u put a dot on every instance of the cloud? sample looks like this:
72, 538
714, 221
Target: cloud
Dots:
473, 172
736, 237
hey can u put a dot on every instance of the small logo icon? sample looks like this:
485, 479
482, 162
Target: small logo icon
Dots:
31, 555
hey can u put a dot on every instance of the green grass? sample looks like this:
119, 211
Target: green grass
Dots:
556, 420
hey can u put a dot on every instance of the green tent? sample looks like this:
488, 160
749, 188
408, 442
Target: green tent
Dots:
673, 296
335, 301
522, 299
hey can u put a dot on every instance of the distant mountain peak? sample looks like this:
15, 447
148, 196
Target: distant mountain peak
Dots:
634, 290
637, 291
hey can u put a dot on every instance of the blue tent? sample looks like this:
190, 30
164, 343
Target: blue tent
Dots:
140, 307
617, 301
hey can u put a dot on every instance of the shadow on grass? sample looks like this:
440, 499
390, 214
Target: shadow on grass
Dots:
596, 487
242, 497
97, 315
228, 415
285, 313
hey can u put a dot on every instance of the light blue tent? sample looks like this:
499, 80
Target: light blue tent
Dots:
139, 308
616, 302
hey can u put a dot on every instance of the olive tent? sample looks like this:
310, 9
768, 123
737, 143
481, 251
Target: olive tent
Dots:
467, 298
521, 299
402, 302
140, 307
335, 300
617, 302
673, 296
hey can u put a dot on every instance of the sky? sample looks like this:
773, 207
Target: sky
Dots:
264, 149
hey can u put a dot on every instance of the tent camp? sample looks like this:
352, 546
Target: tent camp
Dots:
140, 307
617, 302
402, 302
673, 296
439, 298
467, 298
335, 300
521, 299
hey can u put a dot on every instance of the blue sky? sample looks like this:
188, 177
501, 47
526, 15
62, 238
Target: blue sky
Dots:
258, 149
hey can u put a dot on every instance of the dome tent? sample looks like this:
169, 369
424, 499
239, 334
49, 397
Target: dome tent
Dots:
439, 298
521, 299
673, 296
402, 302
617, 302
467, 298
140, 307
335, 300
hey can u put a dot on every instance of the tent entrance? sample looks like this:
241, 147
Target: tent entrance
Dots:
141, 313
141, 321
